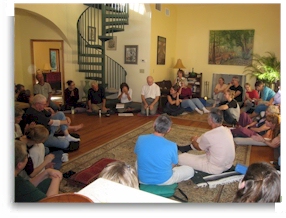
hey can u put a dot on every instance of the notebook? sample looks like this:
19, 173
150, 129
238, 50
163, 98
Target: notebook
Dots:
125, 114
119, 106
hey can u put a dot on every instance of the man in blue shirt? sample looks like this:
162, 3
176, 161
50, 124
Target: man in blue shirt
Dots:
157, 157
266, 94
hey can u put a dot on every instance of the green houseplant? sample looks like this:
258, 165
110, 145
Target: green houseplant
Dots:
265, 68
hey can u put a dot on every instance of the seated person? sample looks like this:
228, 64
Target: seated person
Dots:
261, 184
96, 98
246, 127
35, 189
173, 106
230, 108
250, 96
45, 89
157, 157
238, 90
273, 121
180, 78
264, 102
18, 117
125, 97
219, 91
150, 95
52, 121
37, 161
188, 102
22, 101
71, 96
121, 173
18, 89
219, 154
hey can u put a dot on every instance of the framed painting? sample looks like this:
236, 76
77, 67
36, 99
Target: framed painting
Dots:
131, 54
161, 50
111, 44
91, 33
231, 47
55, 60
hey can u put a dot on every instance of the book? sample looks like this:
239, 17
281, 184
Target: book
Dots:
119, 106
125, 114
106, 191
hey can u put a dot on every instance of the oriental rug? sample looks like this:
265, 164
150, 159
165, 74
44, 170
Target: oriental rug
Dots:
122, 148
195, 116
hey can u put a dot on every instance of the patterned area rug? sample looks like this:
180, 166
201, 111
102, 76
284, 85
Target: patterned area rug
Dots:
193, 116
122, 149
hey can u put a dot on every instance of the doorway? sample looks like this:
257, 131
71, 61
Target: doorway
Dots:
47, 57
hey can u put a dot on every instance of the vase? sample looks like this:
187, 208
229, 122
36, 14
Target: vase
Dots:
86, 87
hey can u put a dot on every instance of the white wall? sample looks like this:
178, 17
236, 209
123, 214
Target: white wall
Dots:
136, 33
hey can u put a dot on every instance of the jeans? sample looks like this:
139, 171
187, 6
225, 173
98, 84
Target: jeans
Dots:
192, 103
53, 141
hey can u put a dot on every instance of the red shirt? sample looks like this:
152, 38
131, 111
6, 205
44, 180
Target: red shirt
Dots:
186, 93
253, 94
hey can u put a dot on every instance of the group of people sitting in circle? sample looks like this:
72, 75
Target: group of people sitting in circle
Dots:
37, 172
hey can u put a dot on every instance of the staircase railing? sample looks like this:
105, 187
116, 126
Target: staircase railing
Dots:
95, 26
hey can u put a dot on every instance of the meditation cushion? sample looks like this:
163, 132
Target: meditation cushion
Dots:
88, 175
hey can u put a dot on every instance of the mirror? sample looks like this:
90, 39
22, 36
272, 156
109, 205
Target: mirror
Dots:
47, 58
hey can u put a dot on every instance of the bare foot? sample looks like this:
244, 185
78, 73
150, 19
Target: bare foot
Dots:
77, 127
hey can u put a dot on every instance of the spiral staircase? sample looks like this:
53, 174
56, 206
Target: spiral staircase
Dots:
95, 26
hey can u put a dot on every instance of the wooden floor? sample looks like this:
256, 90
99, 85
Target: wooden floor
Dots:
99, 130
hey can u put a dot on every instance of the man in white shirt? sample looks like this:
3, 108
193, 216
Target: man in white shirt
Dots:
150, 95
45, 89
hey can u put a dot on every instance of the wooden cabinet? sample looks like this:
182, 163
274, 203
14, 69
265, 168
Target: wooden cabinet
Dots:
196, 84
54, 78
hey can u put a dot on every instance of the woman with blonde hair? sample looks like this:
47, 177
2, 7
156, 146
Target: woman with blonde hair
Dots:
273, 121
261, 184
230, 108
37, 162
247, 127
122, 173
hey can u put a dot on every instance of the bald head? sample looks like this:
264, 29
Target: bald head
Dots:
150, 80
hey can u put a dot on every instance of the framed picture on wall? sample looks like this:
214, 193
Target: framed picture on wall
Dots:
91, 33
55, 60
231, 47
161, 50
131, 54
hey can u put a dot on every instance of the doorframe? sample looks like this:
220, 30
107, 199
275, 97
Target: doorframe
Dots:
61, 61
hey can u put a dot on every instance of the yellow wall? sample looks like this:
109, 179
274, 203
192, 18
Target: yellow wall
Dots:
186, 31
196, 20
165, 26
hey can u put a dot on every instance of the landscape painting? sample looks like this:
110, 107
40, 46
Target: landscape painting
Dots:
231, 47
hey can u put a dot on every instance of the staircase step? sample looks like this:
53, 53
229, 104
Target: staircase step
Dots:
114, 30
94, 46
114, 23
91, 63
90, 71
92, 55
105, 38
122, 16
93, 78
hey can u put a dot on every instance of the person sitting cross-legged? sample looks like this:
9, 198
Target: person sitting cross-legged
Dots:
52, 121
157, 157
150, 95
218, 146
45, 184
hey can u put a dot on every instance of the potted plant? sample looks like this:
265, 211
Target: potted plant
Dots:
265, 68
